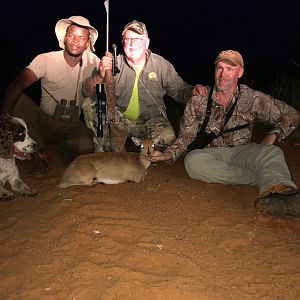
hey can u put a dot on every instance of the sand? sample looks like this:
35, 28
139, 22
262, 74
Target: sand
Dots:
170, 237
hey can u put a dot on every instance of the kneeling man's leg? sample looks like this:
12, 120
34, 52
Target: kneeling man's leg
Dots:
213, 165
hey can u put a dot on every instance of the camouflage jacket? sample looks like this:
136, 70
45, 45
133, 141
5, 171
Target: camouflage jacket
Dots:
157, 79
251, 106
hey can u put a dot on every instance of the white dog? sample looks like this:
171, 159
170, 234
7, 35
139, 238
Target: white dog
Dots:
14, 143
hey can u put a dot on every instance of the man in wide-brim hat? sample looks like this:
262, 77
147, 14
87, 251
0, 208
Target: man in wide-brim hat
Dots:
62, 74
63, 24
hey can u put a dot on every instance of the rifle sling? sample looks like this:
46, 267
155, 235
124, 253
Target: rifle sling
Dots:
227, 117
233, 129
207, 113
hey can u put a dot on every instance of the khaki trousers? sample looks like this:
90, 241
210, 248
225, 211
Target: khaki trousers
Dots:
251, 164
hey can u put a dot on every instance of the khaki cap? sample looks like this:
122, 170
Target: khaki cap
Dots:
231, 55
136, 26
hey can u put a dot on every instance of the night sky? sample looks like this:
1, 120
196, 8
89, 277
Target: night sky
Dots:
188, 33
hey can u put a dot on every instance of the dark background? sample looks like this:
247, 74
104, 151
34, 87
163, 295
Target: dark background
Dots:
189, 34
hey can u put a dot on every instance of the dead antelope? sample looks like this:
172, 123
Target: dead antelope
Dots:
109, 167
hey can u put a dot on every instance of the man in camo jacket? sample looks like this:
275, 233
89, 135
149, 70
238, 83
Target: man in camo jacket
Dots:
232, 157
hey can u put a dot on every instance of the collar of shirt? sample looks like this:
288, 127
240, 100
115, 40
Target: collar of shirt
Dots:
234, 98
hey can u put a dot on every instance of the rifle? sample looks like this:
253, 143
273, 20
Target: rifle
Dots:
105, 93
101, 103
106, 103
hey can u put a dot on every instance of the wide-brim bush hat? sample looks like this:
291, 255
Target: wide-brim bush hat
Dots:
62, 25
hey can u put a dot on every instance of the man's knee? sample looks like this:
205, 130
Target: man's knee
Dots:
268, 153
25, 107
195, 163
84, 145
190, 161
76, 142
70, 149
163, 129
167, 136
83, 140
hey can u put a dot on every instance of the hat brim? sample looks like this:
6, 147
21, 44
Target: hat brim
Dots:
229, 61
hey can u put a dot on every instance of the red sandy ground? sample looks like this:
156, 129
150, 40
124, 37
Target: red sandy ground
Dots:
170, 237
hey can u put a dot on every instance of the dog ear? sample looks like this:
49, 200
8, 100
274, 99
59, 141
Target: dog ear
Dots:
5, 119
6, 140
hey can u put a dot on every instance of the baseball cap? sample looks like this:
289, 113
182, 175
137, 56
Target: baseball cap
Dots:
136, 26
232, 56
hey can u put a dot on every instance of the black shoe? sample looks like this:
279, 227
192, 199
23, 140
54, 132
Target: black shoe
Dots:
280, 204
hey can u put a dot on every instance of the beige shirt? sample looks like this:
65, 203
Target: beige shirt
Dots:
59, 80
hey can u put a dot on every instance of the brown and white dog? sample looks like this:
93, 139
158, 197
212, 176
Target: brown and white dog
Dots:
14, 143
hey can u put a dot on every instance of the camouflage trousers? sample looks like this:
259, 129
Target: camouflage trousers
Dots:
116, 133
158, 126
102, 142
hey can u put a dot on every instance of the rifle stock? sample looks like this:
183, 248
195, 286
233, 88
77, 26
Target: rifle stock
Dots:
110, 97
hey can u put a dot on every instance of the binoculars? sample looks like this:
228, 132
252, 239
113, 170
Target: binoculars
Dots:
66, 110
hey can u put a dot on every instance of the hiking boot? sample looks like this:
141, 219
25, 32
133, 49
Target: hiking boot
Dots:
277, 188
285, 203
41, 163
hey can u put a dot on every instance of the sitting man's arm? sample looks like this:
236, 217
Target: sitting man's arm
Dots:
15, 89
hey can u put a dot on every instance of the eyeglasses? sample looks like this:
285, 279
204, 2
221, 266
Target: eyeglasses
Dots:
137, 41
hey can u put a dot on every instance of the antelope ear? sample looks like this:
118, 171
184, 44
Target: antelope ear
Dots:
136, 140
156, 140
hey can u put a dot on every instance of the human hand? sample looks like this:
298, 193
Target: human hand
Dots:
200, 89
159, 156
269, 139
105, 66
